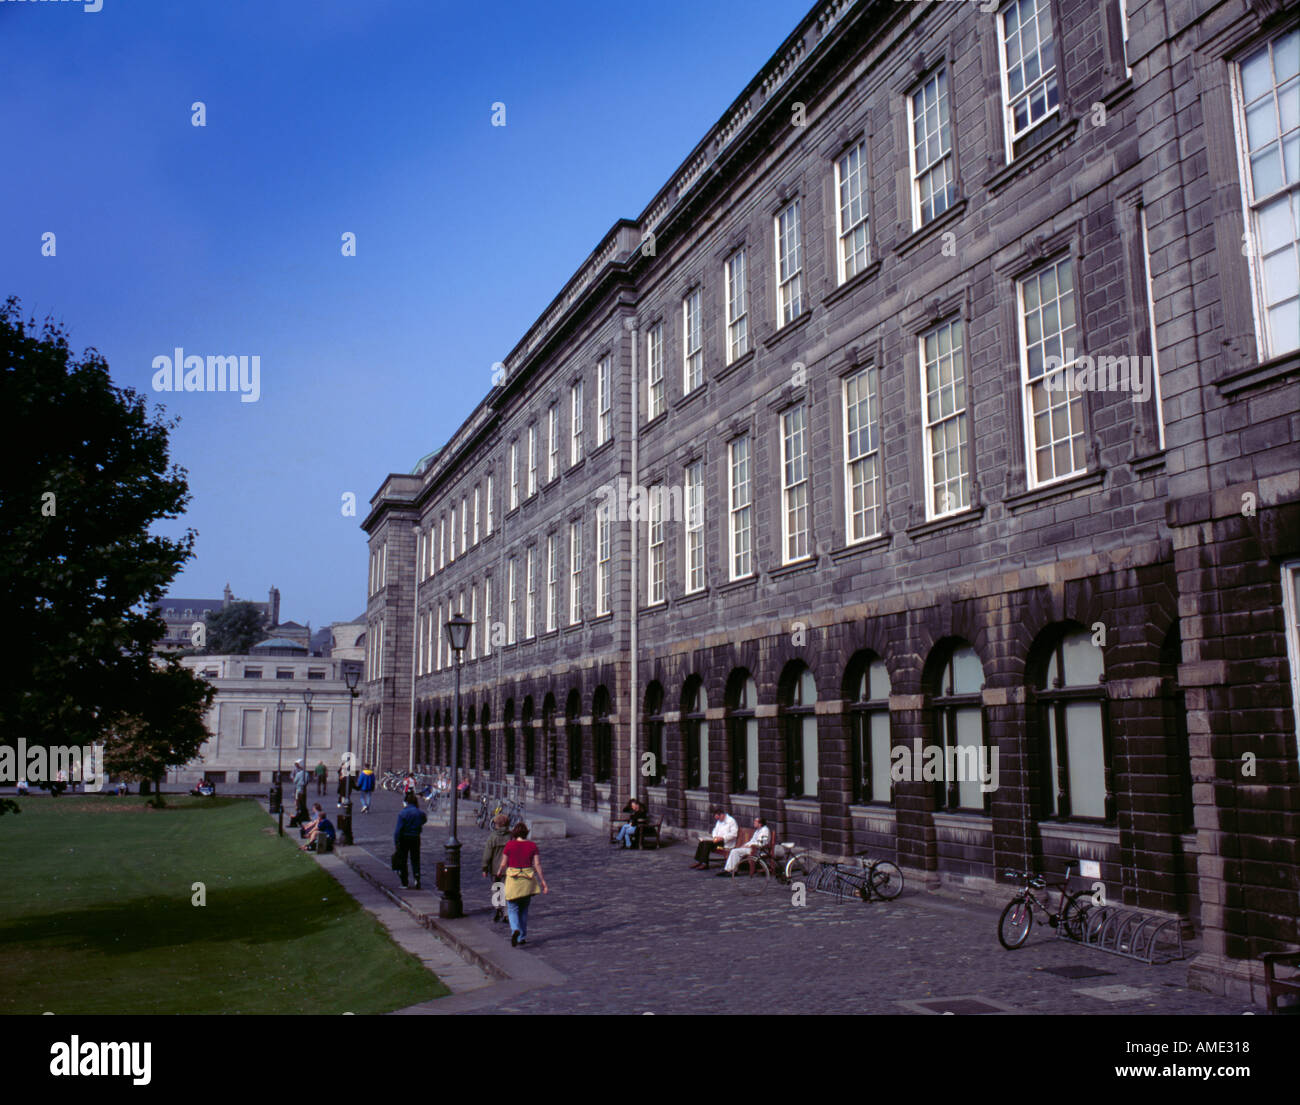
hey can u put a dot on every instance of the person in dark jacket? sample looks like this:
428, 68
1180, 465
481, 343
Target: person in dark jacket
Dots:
636, 821
406, 837
497, 839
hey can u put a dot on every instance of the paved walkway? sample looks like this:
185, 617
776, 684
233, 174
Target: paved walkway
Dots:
638, 932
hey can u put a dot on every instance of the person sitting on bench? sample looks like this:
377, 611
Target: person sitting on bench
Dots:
320, 827
758, 843
725, 831
636, 819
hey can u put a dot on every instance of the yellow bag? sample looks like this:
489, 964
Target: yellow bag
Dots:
521, 882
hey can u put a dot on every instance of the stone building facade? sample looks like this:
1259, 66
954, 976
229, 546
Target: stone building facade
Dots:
918, 471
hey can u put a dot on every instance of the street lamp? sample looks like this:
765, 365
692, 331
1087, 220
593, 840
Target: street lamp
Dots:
279, 756
306, 736
351, 677
451, 905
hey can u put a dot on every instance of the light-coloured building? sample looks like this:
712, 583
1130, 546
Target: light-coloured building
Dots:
242, 719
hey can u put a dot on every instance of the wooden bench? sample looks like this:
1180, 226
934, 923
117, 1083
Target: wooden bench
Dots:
652, 827
1281, 987
743, 837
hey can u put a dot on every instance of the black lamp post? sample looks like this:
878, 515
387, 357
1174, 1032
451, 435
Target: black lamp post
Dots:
279, 756
451, 905
351, 676
306, 736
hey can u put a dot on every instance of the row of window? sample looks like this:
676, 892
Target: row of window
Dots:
1069, 729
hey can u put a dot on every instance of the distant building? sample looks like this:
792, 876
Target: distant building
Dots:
241, 722
181, 614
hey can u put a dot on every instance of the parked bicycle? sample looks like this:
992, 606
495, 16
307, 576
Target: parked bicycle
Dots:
1017, 920
868, 878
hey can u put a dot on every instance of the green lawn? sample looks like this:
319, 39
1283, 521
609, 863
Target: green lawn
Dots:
96, 916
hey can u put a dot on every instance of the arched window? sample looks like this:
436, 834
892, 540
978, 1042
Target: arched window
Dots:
1076, 749
654, 736
959, 728
801, 736
742, 733
508, 723
530, 739
695, 733
572, 711
869, 744
548, 736
602, 736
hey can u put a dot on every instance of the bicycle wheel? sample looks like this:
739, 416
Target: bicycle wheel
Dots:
1073, 915
798, 869
1014, 924
885, 880
751, 876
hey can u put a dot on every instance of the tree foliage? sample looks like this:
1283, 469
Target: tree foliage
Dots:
234, 630
80, 572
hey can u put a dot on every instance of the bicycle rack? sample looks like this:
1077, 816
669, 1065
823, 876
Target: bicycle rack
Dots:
1134, 934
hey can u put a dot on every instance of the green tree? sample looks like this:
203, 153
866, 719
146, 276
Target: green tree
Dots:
234, 630
165, 731
80, 573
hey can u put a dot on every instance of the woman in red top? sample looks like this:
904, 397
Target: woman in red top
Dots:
522, 868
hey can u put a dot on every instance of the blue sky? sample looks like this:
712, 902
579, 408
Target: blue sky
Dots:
325, 117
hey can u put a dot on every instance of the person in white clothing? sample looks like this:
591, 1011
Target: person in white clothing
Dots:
724, 835
758, 843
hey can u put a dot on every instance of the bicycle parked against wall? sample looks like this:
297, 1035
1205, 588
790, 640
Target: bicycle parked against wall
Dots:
868, 878
1017, 920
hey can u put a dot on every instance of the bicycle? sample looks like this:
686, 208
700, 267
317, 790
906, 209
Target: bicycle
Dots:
1017, 918
870, 878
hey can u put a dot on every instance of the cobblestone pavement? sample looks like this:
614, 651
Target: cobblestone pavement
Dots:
639, 932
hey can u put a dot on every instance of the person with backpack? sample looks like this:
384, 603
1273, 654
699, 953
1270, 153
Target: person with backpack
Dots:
406, 838
497, 839
366, 787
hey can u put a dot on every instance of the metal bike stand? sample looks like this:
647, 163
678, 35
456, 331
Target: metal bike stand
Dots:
1134, 934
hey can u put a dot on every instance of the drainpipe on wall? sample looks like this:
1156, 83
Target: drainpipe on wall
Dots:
636, 529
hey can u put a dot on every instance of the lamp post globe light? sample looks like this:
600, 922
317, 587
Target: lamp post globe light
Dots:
351, 677
279, 757
451, 906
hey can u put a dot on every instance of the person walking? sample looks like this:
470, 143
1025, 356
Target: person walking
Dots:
366, 787
322, 773
406, 837
497, 839
522, 867
300, 782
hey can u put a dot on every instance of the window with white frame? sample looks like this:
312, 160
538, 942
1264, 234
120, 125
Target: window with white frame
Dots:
1155, 398
656, 564
532, 460
464, 524
794, 477
946, 447
862, 454
604, 559
1291, 614
692, 343
488, 495
552, 584
1269, 129
530, 595
419, 645
476, 505
694, 485
575, 422
789, 265
852, 225
933, 173
575, 573
737, 307
514, 474
383, 565
437, 650
512, 604
740, 509
1028, 55
487, 616
654, 355
552, 442
442, 542
434, 630
604, 400
473, 622
451, 544
1054, 433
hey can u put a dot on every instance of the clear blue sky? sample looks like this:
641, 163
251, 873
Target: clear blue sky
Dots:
324, 117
